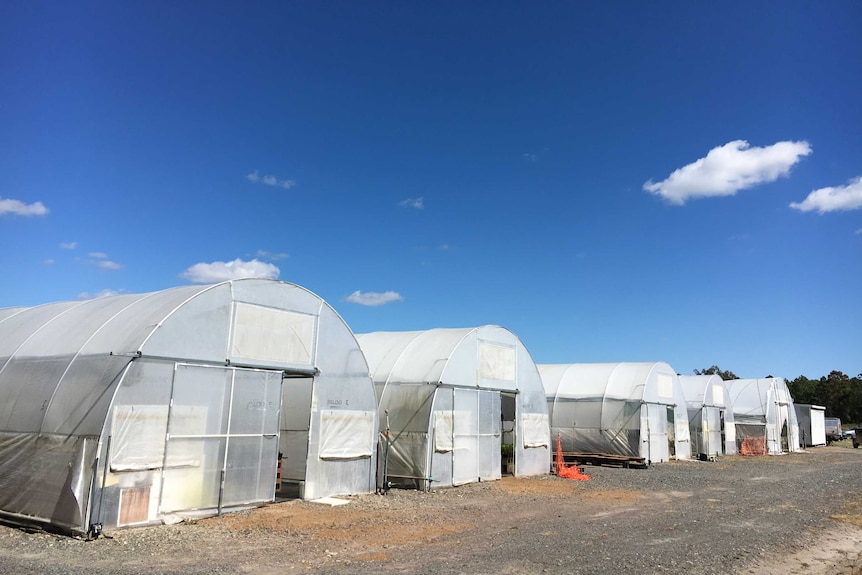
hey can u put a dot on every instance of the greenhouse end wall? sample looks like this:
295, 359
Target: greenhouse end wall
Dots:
444, 395
630, 409
129, 409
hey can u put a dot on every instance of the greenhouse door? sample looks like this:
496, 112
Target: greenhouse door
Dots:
465, 436
654, 422
295, 425
671, 436
475, 436
222, 442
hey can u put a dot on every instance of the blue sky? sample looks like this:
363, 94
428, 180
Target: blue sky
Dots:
623, 181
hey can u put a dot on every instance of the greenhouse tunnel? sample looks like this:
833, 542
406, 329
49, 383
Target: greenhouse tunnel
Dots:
626, 409
710, 414
765, 416
140, 409
460, 406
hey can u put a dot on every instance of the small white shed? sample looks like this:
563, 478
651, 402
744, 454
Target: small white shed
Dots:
812, 424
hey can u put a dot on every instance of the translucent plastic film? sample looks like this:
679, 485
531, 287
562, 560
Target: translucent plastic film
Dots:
536, 431
347, 434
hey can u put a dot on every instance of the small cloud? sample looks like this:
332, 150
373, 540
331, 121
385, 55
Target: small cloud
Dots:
833, 199
270, 255
529, 157
858, 232
270, 180
373, 299
100, 260
48, 262
415, 203
729, 168
19, 208
739, 238
69, 245
103, 293
203, 273
107, 265
444, 247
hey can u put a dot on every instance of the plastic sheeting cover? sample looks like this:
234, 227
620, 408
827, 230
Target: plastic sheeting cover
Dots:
444, 423
62, 366
275, 335
496, 362
347, 434
618, 408
448, 362
535, 430
138, 440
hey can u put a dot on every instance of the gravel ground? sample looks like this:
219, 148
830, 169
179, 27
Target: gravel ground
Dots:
799, 513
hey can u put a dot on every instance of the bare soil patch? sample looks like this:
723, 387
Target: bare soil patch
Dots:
799, 513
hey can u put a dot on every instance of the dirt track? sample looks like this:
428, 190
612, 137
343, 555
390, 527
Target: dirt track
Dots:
799, 513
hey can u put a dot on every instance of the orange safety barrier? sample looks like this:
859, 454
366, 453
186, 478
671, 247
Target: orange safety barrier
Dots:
567, 471
753, 446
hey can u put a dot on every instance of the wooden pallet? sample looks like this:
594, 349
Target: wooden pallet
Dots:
604, 460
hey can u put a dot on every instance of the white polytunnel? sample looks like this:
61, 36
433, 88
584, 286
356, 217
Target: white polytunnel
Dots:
765, 416
710, 415
139, 409
461, 405
629, 409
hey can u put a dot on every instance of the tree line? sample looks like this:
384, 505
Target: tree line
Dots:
839, 393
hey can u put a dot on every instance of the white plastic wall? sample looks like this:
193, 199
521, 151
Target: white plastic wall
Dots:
713, 428
766, 402
633, 409
441, 392
121, 410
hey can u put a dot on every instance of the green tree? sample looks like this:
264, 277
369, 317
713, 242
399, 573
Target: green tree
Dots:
840, 394
715, 370
835, 395
804, 390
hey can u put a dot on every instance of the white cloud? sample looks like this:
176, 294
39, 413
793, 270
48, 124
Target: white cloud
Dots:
48, 262
19, 208
373, 298
858, 232
729, 168
529, 157
100, 259
221, 271
415, 203
270, 180
103, 293
69, 245
107, 265
270, 255
833, 199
